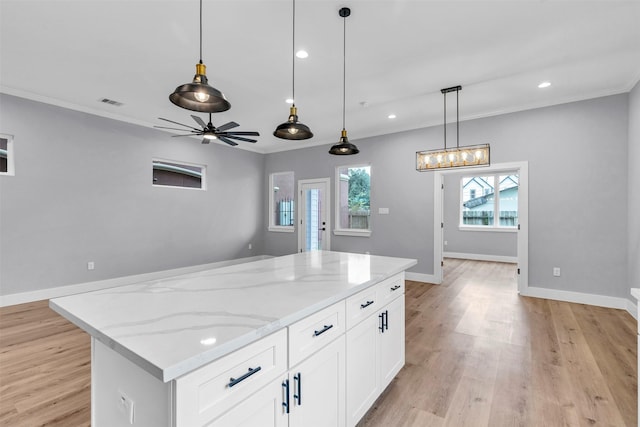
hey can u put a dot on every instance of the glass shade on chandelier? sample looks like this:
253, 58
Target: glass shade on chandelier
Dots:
344, 147
445, 158
292, 128
198, 95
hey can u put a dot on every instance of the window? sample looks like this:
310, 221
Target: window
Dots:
494, 209
6, 155
282, 206
183, 175
353, 207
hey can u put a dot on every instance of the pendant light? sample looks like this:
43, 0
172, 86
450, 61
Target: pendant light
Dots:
292, 128
458, 157
198, 95
344, 147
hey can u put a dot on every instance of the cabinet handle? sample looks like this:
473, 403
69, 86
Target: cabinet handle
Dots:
285, 401
395, 288
234, 381
386, 320
381, 317
298, 379
367, 304
322, 331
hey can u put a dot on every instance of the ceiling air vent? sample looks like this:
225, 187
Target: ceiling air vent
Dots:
111, 102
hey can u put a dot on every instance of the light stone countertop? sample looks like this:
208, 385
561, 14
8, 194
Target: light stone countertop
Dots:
635, 292
174, 325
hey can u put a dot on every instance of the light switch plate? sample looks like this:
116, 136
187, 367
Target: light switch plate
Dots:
383, 211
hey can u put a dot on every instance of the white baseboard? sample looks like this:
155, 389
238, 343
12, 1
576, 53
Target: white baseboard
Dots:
61, 291
581, 298
481, 257
420, 277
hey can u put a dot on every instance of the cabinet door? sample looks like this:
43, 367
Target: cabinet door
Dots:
263, 409
362, 368
391, 342
318, 388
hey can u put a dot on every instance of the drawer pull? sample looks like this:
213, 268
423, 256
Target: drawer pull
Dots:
322, 331
367, 304
234, 381
395, 288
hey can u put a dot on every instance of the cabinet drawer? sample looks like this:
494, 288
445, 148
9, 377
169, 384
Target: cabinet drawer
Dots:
361, 305
209, 391
314, 332
390, 289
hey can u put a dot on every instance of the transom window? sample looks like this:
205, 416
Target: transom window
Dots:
489, 201
6, 155
173, 174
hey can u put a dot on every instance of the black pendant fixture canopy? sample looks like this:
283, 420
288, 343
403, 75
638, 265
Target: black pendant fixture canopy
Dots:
198, 95
344, 147
292, 128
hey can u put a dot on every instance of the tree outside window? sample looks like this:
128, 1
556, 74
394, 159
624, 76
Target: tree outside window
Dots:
354, 191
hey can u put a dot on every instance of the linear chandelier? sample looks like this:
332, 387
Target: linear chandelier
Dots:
458, 157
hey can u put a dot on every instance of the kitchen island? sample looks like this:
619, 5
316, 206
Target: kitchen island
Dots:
244, 344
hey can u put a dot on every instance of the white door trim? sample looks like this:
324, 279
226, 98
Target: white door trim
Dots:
523, 218
326, 182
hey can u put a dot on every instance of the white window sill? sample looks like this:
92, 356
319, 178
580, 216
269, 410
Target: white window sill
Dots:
488, 228
282, 229
352, 232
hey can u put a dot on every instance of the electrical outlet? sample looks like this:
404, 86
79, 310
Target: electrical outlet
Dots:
126, 406
446, 243
250, 246
556, 271
91, 265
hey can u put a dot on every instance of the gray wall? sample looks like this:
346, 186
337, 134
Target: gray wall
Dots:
82, 192
577, 190
471, 242
634, 188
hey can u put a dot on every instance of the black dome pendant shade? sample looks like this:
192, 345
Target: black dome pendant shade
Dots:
292, 128
344, 147
198, 95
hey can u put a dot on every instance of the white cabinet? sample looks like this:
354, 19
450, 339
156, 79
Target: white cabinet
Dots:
375, 347
317, 388
263, 409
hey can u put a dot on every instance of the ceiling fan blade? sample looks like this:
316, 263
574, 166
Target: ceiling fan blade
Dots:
242, 133
206, 140
171, 121
187, 134
226, 126
228, 141
199, 121
164, 127
240, 138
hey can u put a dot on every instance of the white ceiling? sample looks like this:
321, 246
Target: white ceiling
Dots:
400, 53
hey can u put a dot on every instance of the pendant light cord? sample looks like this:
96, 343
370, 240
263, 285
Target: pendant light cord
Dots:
293, 56
457, 119
344, 69
201, 31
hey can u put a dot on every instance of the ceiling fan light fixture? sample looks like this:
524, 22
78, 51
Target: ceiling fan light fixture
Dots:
343, 147
292, 128
199, 95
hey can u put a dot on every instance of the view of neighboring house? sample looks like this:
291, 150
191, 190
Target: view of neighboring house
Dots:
479, 202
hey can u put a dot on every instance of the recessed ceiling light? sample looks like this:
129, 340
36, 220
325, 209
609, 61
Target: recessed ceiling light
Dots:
289, 100
544, 84
302, 54
391, 116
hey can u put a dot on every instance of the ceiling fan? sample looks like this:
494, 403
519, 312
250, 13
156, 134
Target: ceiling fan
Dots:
209, 131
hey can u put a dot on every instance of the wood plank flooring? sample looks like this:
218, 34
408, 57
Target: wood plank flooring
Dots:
480, 355
477, 355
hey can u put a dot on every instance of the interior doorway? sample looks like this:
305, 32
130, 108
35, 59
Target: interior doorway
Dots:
313, 211
523, 220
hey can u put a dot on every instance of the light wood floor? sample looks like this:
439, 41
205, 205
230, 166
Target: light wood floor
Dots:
477, 355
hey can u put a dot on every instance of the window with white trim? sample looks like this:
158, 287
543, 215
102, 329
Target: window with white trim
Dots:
167, 173
282, 205
6, 155
353, 207
489, 201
